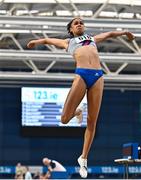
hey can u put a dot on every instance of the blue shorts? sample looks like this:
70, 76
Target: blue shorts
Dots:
90, 76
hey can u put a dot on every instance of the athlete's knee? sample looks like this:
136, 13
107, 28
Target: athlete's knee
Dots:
64, 119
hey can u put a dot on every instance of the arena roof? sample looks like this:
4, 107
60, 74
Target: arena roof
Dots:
23, 20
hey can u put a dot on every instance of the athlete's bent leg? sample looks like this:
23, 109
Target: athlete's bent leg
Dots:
74, 98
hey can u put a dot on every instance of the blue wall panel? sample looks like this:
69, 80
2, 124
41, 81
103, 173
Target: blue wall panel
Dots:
118, 123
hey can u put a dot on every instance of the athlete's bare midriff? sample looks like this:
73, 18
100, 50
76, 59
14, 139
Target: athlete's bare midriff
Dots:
87, 57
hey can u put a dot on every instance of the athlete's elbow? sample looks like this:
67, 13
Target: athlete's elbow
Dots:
64, 119
46, 41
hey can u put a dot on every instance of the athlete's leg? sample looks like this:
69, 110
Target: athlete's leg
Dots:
74, 98
94, 98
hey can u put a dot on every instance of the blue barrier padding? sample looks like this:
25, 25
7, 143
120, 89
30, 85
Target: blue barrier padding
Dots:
7, 169
99, 169
75, 169
59, 175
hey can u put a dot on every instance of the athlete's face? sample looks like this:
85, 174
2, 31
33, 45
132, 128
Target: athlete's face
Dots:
77, 27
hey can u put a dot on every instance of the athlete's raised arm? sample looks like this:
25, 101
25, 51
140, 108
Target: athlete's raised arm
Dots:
112, 34
62, 43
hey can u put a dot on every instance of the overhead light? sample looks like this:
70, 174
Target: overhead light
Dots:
45, 13
138, 15
108, 14
68, 13
29, 1
21, 12
24, 31
119, 29
3, 11
45, 27
86, 13
126, 15
137, 35
13, 31
7, 25
115, 14
63, 13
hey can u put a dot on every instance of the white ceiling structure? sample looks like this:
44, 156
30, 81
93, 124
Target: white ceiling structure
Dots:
23, 20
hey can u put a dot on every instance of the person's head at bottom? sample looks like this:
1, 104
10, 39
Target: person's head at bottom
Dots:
46, 161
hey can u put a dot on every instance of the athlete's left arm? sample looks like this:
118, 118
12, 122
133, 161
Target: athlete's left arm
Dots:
50, 168
113, 34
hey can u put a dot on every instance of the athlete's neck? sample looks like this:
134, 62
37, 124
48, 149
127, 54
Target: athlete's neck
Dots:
76, 35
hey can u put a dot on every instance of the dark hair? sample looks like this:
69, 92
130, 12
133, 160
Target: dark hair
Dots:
69, 26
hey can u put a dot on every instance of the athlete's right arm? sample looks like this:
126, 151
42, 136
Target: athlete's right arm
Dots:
61, 43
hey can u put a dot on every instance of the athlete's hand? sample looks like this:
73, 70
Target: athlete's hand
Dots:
31, 44
130, 35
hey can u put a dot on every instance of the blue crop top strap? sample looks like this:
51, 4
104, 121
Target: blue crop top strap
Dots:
79, 41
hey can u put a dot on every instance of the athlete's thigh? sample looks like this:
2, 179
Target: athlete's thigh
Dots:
94, 98
75, 95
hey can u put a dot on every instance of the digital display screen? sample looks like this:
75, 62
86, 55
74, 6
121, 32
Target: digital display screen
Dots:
42, 107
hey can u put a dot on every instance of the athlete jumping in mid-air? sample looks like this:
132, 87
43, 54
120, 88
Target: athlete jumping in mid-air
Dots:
88, 79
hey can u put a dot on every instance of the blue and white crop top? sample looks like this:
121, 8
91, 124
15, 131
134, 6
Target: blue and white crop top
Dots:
79, 41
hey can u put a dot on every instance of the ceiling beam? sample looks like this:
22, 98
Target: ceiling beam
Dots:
125, 2
62, 22
59, 56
